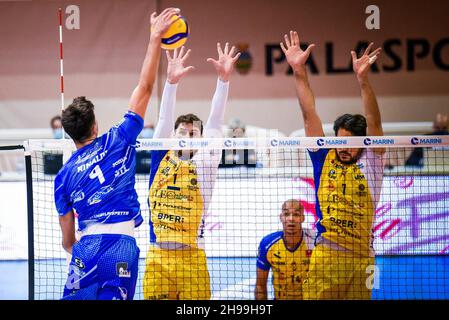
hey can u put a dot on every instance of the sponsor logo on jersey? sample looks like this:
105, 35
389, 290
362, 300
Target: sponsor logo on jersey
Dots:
170, 217
97, 196
172, 195
294, 266
79, 263
122, 270
193, 186
165, 171
120, 172
119, 161
77, 196
170, 160
359, 176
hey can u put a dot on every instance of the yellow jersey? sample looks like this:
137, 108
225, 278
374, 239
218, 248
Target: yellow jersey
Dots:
289, 267
346, 198
179, 195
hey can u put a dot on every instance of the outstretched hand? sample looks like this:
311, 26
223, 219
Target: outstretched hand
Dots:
362, 65
296, 57
176, 68
226, 61
160, 23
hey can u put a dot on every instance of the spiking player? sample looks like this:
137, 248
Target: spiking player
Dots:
98, 183
287, 253
181, 185
348, 182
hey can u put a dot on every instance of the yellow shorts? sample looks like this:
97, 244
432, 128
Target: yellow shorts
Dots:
176, 274
338, 275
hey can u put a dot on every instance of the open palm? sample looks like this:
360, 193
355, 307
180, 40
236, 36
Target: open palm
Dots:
296, 57
362, 65
226, 61
176, 68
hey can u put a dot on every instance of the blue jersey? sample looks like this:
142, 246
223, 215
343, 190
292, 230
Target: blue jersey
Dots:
98, 180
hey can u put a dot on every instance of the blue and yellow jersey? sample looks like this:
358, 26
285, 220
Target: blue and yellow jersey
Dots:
289, 267
346, 197
179, 195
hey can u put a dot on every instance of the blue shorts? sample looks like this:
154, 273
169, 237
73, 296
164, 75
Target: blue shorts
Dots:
103, 267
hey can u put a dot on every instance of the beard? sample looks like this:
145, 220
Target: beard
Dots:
350, 159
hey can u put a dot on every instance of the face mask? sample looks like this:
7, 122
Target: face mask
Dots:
57, 133
147, 133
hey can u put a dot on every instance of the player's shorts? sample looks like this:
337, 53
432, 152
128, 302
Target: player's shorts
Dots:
337, 274
176, 274
103, 267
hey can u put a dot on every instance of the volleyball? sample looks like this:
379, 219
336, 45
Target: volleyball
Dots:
176, 34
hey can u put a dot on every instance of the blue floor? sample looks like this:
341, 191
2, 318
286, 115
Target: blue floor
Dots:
408, 277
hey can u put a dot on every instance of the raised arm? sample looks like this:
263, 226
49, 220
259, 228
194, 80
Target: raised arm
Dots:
176, 70
141, 94
297, 58
224, 67
361, 68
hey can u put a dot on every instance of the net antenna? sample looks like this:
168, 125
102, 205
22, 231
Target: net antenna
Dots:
61, 62
66, 151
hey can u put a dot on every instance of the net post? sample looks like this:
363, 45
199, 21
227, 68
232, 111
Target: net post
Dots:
30, 215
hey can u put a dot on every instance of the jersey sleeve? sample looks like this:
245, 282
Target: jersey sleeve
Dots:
318, 156
62, 199
216, 116
130, 127
262, 260
166, 121
156, 157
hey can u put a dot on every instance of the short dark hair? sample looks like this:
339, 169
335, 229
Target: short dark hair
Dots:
354, 123
188, 118
78, 119
55, 118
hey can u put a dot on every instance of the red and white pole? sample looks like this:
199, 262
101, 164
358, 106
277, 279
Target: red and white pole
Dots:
61, 64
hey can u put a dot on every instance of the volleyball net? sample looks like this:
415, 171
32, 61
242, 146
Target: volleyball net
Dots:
255, 177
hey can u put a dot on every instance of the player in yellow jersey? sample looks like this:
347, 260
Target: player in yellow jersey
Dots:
181, 185
348, 182
287, 254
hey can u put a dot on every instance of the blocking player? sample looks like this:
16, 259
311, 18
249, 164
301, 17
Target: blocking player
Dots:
97, 183
181, 185
348, 183
287, 253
